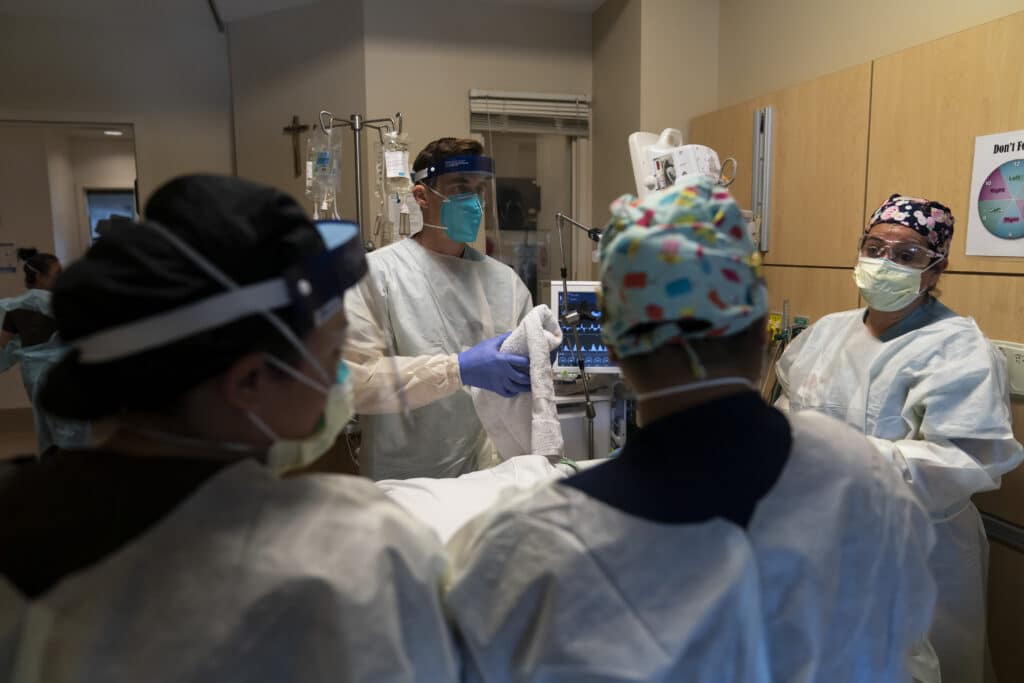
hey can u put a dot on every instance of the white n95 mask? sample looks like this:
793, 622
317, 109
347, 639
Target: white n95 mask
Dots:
290, 454
887, 286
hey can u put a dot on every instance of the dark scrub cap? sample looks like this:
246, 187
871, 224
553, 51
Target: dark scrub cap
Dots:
36, 264
250, 232
930, 219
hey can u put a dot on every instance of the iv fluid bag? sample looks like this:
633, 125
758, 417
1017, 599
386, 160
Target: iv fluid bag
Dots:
323, 173
397, 176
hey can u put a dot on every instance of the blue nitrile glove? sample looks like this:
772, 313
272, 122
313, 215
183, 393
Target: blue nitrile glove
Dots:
486, 367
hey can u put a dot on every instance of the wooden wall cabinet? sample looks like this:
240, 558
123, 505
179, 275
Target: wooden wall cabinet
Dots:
812, 292
820, 155
928, 104
730, 132
1006, 612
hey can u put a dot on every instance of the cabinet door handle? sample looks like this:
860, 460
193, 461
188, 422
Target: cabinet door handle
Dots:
761, 182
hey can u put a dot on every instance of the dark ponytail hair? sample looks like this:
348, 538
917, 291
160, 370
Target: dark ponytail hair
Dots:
250, 232
36, 264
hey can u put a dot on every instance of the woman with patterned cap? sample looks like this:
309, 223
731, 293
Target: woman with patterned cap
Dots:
725, 543
930, 392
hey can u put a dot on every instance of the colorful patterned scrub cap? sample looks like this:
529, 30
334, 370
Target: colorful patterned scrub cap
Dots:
932, 220
677, 265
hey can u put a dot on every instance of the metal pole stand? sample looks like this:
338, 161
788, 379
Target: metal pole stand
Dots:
571, 319
356, 122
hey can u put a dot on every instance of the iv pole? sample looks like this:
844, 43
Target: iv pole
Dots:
356, 122
571, 319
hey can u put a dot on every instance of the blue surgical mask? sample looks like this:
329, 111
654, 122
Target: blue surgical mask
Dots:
460, 215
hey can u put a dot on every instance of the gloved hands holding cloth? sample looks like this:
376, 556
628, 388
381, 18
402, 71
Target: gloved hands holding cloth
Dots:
485, 366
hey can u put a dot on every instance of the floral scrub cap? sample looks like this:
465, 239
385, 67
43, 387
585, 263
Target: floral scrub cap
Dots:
932, 220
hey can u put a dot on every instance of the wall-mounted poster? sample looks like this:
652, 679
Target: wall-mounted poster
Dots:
995, 226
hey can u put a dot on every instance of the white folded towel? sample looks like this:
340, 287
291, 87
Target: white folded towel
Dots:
527, 424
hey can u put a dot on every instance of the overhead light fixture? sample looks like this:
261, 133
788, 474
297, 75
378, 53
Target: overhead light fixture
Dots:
114, 133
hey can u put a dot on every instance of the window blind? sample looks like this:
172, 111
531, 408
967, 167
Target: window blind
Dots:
523, 112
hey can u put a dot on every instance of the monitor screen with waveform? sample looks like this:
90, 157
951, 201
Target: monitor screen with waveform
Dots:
582, 298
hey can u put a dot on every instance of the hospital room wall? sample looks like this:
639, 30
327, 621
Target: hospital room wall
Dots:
766, 46
426, 67
647, 80
378, 58
678, 62
167, 78
76, 164
425, 63
295, 62
42, 179
26, 220
616, 114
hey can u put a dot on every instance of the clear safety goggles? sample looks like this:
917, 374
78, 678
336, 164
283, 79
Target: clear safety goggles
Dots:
307, 293
902, 253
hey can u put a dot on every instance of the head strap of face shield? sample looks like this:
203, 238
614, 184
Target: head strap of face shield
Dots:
476, 163
312, 289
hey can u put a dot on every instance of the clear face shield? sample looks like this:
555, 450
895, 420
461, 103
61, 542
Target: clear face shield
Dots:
464, 186
302, 298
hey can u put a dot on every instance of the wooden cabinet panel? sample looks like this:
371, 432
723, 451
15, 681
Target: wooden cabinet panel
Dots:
730, 132
1006, 612
996, 302
820, 150
812, 292
928, 104
820, 161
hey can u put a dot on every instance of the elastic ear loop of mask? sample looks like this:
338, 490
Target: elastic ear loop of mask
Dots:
215, 273
443, 198
298, 377
696, 366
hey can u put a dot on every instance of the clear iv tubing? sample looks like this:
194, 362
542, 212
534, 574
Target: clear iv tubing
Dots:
356, 123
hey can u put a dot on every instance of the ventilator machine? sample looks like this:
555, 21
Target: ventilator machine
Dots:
661, 161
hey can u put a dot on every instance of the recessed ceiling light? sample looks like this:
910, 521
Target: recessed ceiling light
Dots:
113, 133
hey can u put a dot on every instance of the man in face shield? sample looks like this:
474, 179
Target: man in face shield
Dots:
428, 322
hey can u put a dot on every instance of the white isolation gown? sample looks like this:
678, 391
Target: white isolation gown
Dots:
422, 309
931, 395
828, 583
251, 578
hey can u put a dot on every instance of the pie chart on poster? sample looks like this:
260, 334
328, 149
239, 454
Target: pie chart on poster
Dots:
1001, 202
